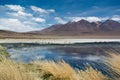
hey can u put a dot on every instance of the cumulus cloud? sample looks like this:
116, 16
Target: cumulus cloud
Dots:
116, 18
38, 19
50, 24
14, 25
15, 7
89, 18
104, 18
19, 13
40, 10
51, 10
94, 19
60, 20
20, 19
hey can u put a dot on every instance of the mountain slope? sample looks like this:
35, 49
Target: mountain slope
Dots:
110, 25
82, 27
11, 34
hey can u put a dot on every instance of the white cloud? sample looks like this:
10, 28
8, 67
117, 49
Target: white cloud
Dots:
20, 19
36, 9
15, 7
93, 19
51, 10
116, 18
38, 19
75, 19
60, 20
90, 18
17, 11
19, 14
50, 24
15, 25
23, 14
104, 18
40, 10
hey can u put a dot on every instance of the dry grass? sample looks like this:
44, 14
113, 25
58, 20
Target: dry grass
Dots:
45, 70
113, 61
56, 71
91, 74
10, 71
63, 71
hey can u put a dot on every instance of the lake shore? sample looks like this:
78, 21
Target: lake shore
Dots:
57, 41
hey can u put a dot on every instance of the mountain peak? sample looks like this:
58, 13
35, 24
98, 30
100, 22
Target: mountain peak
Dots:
110, 21
82, 27
110, 25
83, 21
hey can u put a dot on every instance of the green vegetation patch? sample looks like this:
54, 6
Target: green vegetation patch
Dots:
3, 51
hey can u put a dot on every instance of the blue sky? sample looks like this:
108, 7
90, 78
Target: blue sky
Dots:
28, 15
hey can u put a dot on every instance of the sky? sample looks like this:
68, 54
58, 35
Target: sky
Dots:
30, 15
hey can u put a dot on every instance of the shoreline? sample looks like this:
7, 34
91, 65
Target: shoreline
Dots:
57, 41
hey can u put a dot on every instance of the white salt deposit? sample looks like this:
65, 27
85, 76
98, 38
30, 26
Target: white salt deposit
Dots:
56, 41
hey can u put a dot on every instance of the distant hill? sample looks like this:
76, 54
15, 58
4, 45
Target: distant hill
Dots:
83, 27
80, 29
11, 34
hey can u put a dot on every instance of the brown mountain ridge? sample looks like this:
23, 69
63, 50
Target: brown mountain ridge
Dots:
80, 29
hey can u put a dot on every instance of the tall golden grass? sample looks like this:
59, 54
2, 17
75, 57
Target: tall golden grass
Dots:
45, 70
56, 71
91, 74
113, 61
9, 70
63, 71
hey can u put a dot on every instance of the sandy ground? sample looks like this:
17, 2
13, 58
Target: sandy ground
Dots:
56, 41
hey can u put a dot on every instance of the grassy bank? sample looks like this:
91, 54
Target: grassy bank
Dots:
3, 51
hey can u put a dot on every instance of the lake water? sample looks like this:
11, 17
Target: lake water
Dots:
77, 55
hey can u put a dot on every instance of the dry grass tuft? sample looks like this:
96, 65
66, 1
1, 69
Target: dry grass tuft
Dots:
45, 70
113, 61
91, 74
56, 71
10, 71
63, 71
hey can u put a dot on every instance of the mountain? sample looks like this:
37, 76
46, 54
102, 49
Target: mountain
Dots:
6, 33
110, 25
82, 28
69, 28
